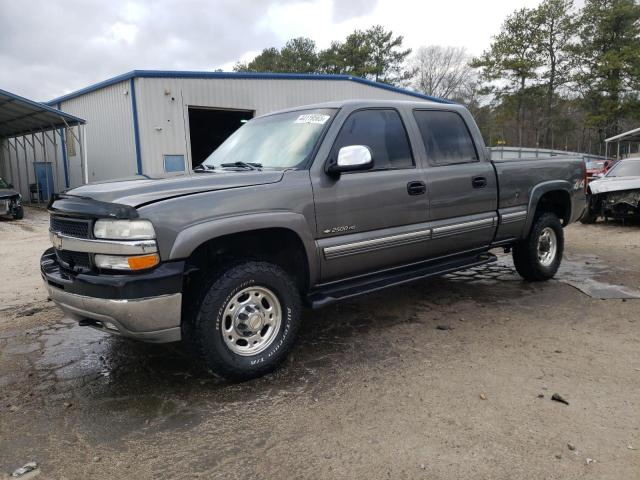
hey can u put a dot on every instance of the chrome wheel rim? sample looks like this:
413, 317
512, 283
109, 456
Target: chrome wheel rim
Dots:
547, 246
251, 320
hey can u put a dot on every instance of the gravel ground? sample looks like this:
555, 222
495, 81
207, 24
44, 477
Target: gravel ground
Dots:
444, 379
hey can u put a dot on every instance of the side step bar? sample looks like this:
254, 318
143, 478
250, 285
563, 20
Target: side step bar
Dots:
352, 288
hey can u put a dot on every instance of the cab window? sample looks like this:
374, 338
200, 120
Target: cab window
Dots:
446, 138
383, 132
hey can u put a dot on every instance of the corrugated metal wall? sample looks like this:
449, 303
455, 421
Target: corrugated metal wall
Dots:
163, 106
109, 134
18, 155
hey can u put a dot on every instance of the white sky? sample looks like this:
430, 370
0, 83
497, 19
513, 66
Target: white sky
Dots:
48, 48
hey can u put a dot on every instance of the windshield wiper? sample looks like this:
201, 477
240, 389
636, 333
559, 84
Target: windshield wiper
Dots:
203, 168
247, 165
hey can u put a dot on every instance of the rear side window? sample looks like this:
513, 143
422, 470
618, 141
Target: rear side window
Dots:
383, 132
446, 137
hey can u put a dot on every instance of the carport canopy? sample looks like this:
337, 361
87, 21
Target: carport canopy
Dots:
630, 136
21, 116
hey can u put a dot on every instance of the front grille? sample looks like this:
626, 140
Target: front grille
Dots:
71, 227
74, 260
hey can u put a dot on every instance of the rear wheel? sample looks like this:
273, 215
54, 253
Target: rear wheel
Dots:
18, 213
538, 256
246, 322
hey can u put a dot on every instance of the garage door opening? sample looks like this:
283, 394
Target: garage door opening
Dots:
209, 127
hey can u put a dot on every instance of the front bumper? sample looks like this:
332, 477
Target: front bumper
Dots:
10, 205
143, 306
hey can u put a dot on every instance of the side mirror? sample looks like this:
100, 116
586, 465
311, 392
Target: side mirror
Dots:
10, 185
350, 159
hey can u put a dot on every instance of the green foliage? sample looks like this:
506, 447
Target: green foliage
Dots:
386, 56
351, 57
513, 58
555, 29
563, 78
608, 62
513, 54
299, 55
375, 54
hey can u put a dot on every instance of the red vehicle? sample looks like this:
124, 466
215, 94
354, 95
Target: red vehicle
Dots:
596, 168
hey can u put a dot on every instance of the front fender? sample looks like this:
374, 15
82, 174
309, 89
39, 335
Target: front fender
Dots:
192, 237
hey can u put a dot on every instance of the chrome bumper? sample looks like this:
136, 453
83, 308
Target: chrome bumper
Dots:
152, 319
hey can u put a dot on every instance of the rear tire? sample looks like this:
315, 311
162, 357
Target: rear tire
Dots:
18, 214
537, 257
246, 322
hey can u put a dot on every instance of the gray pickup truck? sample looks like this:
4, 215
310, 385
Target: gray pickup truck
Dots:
306, 206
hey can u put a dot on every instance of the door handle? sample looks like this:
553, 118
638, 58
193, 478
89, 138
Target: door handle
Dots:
416, 188
479, 182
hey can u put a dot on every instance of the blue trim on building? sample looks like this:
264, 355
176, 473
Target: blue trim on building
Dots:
47, 107
241, 76
136, 133
63, 144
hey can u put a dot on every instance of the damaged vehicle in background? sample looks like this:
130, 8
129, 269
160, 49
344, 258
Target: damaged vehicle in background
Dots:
617, 194
10, 201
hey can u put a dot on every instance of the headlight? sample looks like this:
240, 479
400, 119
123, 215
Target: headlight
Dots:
124, 229
117, 262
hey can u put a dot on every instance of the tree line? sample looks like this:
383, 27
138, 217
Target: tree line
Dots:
374, 53
554, 76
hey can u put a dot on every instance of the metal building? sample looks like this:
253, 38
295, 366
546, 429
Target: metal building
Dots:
32, 143
162, 123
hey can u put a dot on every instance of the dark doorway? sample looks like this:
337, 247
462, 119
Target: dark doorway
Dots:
209, 127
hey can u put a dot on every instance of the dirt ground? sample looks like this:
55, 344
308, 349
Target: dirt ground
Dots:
373, 390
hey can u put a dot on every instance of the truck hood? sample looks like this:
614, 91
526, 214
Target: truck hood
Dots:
138, 192
7, 193
614, 184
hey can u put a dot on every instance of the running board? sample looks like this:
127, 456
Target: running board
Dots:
352, 288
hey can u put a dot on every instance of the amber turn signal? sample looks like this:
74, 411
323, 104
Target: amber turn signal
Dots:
140, 262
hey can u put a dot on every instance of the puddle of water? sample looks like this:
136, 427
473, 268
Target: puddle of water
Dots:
580, 272
600, 290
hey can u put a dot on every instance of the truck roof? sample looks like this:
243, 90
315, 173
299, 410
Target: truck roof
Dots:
364, 103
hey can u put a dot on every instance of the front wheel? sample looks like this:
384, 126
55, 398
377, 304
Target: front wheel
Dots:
538, 257
246, 322
590, 214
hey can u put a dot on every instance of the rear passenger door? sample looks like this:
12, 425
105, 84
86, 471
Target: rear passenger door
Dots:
372, 219
462, 185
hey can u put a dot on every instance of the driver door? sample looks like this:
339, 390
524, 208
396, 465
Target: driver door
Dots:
369, 220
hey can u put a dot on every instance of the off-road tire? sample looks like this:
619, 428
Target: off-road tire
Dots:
525, 252
203, 323
18, 214
588, 217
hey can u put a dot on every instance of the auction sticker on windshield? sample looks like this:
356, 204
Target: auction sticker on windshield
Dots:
318, 118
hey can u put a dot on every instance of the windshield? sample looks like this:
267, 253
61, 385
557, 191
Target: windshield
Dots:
625, 168
3, 184
283, 140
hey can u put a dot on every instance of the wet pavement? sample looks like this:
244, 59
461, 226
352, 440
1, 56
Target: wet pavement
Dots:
373, 388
